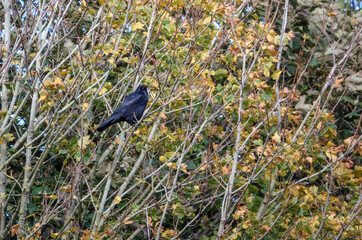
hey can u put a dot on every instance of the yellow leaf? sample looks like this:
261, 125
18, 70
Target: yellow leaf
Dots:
53, 197
117, 199
265, 228
169, 155
184, 167
15, 62
240, 212
305, 37
171, 165
270, 38
300, 141
137, 26
8, 137
133, 60
276, 137
246, 224
245, 169
112, 62
137, 132
163, 159
167, 234
203, 168
64, 72
331, 156
103, 91
42, 98
207, 20
276, 75
85, 106
53, 234
83, 142
296, 155
57, 81
350, 141
309, 159
314, 222
108, 49
204, 55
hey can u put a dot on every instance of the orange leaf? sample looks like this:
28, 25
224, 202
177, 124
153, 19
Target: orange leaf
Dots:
14, 230
127, 221
338, 83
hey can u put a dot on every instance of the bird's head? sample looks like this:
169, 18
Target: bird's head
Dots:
141, 88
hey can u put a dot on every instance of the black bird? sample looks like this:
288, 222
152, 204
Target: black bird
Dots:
131, 109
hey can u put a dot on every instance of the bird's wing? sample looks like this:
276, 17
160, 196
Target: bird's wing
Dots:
129, 104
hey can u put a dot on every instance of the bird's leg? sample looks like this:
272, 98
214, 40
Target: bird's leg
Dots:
134, 122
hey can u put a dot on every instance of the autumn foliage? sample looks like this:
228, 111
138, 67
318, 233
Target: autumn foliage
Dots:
252, 129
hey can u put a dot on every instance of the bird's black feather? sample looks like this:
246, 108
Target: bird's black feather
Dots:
130, 111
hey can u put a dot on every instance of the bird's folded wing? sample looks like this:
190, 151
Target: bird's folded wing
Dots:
129, 104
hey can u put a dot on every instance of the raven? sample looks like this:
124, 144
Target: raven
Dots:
130, 111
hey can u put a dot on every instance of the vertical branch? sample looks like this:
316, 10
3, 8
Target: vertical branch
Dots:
229, 187
132, 173
4, 108
281, 45
148, 37
170, 194
108, 184
264, 203
39, 64
29, 146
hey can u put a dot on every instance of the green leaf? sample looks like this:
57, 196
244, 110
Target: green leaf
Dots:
258, 142
219, 87
315, 63
77, 156
220, 73
63, 151
229, 98
86, 157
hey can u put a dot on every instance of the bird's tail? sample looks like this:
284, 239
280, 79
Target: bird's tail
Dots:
110, 121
